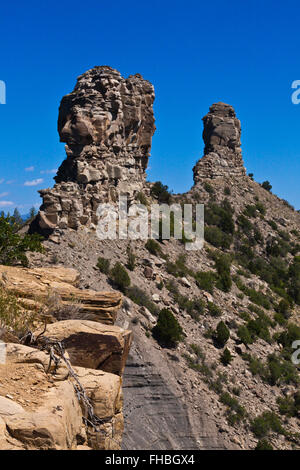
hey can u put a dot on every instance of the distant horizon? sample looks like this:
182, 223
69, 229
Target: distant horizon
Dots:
195, 54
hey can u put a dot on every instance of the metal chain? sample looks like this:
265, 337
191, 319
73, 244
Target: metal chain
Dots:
56, 352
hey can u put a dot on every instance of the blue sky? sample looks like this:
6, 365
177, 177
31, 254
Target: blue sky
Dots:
245, 53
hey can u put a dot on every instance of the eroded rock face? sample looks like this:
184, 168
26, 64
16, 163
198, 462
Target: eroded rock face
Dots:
222, 152
55, 289
107, 124
43, 411
93, 345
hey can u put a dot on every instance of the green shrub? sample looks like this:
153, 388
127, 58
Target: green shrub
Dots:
227, 191
276, 370
208, 188
244, 223
245, 335
258, 235
277, 247
178, 269
153, 247
205, 280
256, 366
226, 357
217, 238
220, 215
103, 265
236, 412
281, 371
141, 198
222, 264
198, 351
266, 185
131, 259
139, 297
167, 330
261, 208
287, 406
259, 328
161, 192
250, 211
213, 309
256, 297
13, 317
263, 444
266, 422
197, 308
283, 307
13, 247
236, 391
288, 336
222, 334
272, 224
194, 307
120, 277
279, 318
294, 279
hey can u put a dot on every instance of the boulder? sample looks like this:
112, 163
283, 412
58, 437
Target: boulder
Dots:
145, 312
105, 392
55, 425
45, 414
148, 272
92, 345
9, 408
185, 282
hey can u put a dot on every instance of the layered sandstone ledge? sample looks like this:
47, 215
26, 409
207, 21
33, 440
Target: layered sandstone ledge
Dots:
37, 288
39, 405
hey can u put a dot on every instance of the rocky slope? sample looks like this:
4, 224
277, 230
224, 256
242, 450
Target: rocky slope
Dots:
246, 276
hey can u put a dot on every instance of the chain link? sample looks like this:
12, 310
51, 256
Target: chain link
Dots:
56, 352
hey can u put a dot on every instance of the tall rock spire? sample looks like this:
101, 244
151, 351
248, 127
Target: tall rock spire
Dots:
222, 152
107, 124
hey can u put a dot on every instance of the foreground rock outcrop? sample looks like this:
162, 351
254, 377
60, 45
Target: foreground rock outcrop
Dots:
43, 412
39, 388
107, 123
92, 345
56, 288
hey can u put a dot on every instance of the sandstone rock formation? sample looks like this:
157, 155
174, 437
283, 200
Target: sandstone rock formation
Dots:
222, 152
107, 123
35, 287
44, 413
92, 344
39, 401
